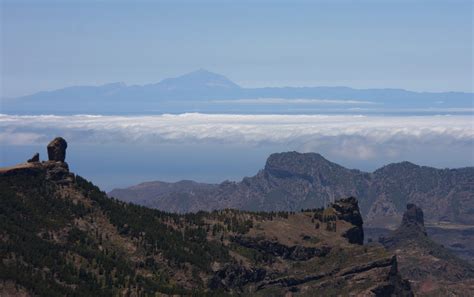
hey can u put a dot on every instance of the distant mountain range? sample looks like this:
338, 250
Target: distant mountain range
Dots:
292, 181
204, 91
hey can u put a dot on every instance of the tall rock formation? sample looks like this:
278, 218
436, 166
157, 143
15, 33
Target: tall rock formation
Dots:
432, 269
57, 149
412, 228
347, 209
413, 219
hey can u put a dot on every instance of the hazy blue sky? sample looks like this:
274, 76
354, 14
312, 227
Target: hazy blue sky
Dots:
419, 45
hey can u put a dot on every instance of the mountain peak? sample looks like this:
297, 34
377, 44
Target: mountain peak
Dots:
198, 79
413, 219
413, 215
296, 163
412, 228
201, 71
400, 165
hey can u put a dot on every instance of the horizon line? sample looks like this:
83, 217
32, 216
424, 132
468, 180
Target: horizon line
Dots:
126, 85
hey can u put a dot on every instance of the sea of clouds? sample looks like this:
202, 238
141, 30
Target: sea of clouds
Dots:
350, 136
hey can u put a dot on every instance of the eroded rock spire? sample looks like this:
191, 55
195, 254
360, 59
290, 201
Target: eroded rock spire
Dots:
57, 149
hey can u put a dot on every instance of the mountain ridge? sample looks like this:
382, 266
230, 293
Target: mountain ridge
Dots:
214, 93
292, 180
199, 73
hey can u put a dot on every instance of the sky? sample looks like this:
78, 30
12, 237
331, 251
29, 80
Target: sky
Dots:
416, 45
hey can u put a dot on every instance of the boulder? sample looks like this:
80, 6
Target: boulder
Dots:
57, 150
35, 158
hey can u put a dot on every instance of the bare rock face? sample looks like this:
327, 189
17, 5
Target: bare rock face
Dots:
56, 170
411, 229
234, 276
347, 209
57, 149
35, 158
412, 226
414, 214
58, 173
294, 253
431, 268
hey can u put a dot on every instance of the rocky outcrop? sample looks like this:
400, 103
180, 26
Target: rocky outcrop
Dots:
55, 169
432, 269
296, 253
35, 158
58, 172
412, 228
57, 149
392, 284
413, 219
234, 276
355, 235
383, 273
347, 209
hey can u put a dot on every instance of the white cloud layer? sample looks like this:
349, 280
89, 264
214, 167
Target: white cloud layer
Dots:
350, 136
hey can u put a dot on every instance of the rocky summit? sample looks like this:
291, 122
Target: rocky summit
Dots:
348, 210
55, 169
412, 228
413, 219
61, 236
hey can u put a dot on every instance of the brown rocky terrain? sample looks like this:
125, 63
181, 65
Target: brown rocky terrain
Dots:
292, 181
61, 236
432, 269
